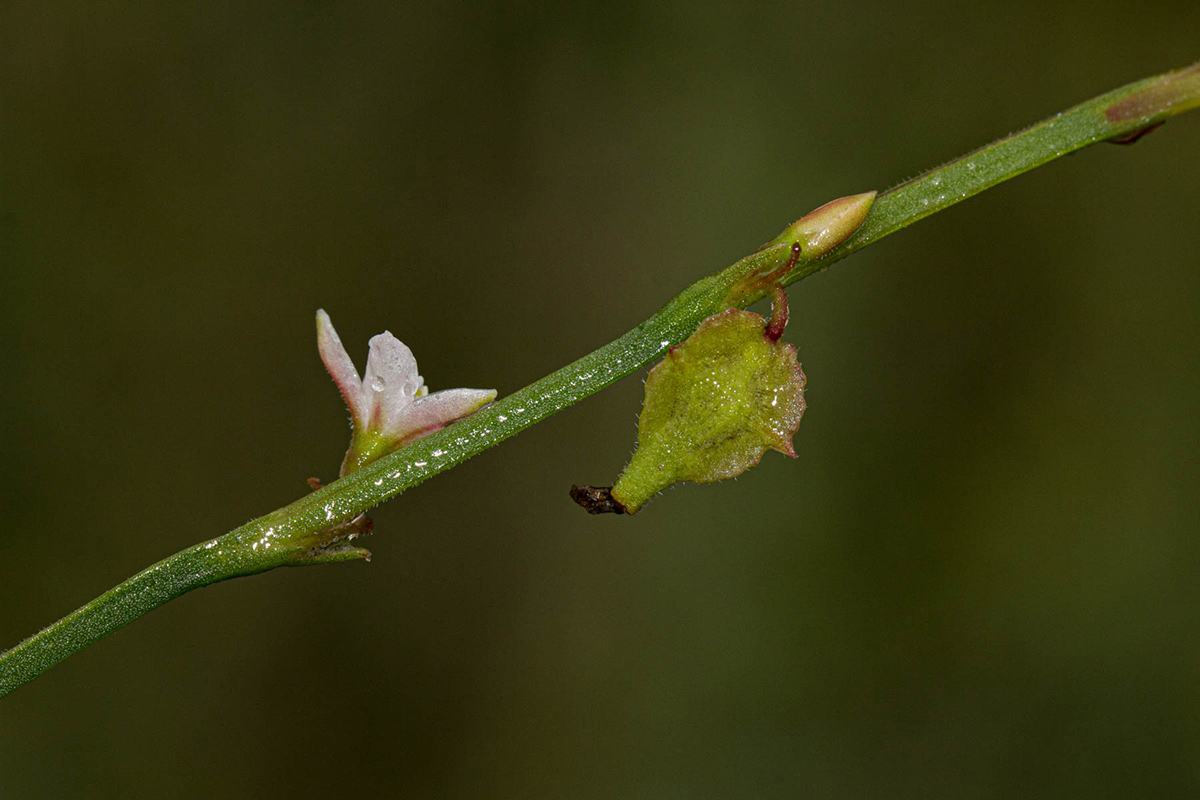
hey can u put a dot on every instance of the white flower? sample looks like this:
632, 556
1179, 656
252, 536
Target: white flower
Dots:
390, 406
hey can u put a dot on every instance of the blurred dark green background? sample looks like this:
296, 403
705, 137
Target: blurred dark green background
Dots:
979, 579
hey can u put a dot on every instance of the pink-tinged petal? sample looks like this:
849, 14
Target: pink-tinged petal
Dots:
341, 368
433, 412
390, 382
391, 404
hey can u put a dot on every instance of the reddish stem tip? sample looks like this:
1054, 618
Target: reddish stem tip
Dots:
779, 314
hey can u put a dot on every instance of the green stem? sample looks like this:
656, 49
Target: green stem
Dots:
1121, 113
316, 528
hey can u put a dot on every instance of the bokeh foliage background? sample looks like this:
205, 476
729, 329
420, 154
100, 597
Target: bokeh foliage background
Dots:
978, 578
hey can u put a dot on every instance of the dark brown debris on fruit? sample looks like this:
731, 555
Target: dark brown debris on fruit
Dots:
597, 499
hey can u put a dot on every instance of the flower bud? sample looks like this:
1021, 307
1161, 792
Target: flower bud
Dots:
808, 239
823, 229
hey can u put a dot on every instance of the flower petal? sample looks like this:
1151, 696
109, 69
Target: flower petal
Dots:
433, 412
390, 382
341, 368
